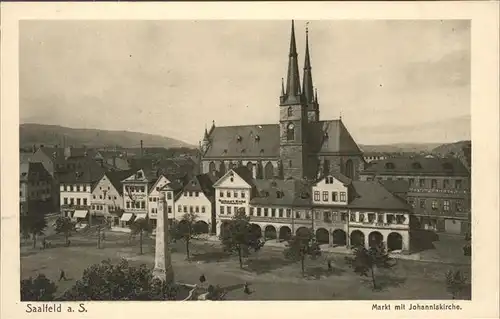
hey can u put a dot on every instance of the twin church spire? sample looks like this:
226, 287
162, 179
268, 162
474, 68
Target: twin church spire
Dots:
293, 94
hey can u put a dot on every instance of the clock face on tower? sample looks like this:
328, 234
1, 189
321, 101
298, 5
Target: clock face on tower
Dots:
291, 126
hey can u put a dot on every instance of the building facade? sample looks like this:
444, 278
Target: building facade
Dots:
136, 189
439, 190
299, 146
35, 189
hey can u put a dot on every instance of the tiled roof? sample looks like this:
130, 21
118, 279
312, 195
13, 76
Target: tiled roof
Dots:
33, 171
116, 178
201, 183
281, 193
255, 141
250, 141
246, 174
396, 186
418, 166
373, 195
338, 176
88, 171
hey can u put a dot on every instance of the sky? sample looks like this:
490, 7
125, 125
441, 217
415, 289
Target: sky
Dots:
391, 81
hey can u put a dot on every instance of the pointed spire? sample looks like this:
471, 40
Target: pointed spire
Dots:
282, 87
292, 93
307, 81
316, 95
205, 136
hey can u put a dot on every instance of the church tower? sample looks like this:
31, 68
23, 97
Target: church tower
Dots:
293, 119
308, 89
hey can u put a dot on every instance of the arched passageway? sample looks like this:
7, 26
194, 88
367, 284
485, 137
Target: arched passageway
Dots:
375, 239
201, 227
256, 230
303, 231
322, 236
339, 237
224, 228
357, 238
285, 233
270, 232
394, 241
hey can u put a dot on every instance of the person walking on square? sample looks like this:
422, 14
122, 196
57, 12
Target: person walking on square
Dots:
246, 289
62, 275
329, 265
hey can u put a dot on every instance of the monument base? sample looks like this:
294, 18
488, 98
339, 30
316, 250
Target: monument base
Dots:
164, 274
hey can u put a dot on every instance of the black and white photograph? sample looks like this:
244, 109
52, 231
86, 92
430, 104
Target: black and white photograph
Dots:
245, 160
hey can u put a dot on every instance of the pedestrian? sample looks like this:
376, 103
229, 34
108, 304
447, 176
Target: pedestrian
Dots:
246, 289
329, 265
62, 275
44, 243
202, 278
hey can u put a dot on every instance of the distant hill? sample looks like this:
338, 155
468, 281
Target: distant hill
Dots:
462, 150
37, 134
400, 147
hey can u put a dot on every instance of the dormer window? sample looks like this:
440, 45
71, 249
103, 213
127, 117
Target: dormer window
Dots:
238, 138
304, 195
257, 138
261, 151
279, 194
389, 165
138, 175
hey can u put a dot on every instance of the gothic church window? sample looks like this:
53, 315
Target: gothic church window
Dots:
290, 132
290, 111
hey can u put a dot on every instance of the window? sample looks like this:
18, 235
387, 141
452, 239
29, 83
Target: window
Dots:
400, 219
411, 201
191, 209
334, 196
185, 208
353, 217
229, 210
251, 211
361, 217
185, 194
100, 196
169, 209
326, 216
228, 194
266, 212
169, 195
203, 209
288, 213
446, 184
459, 205
371, 217
71, 188
143, 204
242, 194
65, 201
128, 204
325, 196
85, 201
422, 203
434, 205
422, 182
390, 218
197, 209
434, 183
290, 163
290, 132
196, 194
380, 218
78, 201
342, 196
190, 194
458, 184
179, 208
280, 212
114, 197
222, 210
155, 199
446, 205
308, 215
316, 196
78, 188
273, 212
235, 194
151, 199
221, 194
297, 215
258, 211
289, 111
411, 181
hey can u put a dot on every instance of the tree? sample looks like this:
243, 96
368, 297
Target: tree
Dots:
66, 226
186, 230
139, 226
455, 283
39, 289
365, 260
239, 238
300, 246
33, 223
120, 281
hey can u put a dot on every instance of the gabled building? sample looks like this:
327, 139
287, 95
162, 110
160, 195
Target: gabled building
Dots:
35, 189
439, 189
107, 197
136, 188
299, 145
197, 197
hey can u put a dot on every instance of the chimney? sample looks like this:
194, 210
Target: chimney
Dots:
141, 148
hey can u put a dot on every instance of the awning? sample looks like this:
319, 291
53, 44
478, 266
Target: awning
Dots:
80, 213
140, 215
126, 217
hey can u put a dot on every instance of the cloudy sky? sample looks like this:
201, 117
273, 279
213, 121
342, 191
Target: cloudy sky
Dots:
392, 81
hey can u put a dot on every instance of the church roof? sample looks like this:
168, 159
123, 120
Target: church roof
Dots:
263, 141
244, 141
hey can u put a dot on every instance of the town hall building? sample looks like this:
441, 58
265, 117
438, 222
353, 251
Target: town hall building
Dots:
300, 146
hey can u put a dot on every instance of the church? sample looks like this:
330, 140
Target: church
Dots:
300, 146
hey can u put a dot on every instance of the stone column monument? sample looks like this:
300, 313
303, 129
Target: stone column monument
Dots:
163, 263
